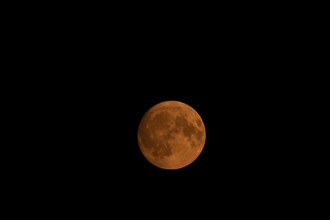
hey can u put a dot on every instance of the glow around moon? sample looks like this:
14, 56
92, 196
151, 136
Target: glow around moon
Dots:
171, 135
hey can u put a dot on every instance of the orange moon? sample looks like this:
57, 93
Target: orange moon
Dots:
171, 135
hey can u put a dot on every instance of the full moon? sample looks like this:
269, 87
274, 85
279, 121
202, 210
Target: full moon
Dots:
171, 135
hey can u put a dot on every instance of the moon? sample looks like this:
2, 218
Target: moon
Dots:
171, 135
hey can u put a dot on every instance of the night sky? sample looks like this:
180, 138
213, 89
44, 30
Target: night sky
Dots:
93, 93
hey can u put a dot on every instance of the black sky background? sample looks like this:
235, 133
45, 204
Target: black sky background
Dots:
100, 79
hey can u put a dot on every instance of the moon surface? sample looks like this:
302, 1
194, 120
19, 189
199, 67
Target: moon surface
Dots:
171, 135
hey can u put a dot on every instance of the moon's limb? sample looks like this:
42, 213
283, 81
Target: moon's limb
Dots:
171, 135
